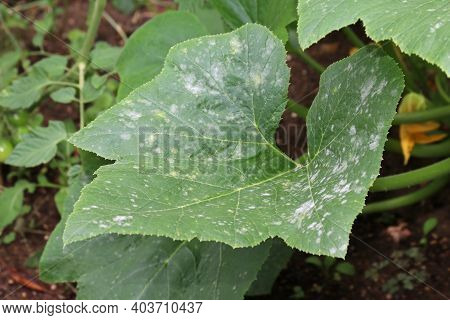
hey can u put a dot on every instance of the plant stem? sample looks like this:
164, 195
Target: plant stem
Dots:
409, 117
421, 116
413, 177
354, 39
397, 55
115, 26
99, 6
294, 47
306, 58
81, 70
10, 35
435, 150
440, 88
408, 199
299, 109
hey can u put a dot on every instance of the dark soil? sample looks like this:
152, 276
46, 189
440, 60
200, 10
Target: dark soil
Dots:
371, 243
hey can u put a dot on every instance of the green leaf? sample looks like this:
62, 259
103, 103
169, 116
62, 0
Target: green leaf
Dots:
27, 90
429, 225
64, 95
275, 15
8, 70
97, 81
39, 146
345, 268
104, 56
53, 66
9, 238
232, 184
144, 53
383, 20
91, 93
205, 12
314, 261
279, 256
161, 268
11, 202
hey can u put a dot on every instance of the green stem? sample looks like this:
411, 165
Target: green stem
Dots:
422, 116
299, 109
117, 27
99, 6
354, 39
435, 150
306, 58
81, 70
10, 35
440, 88
409, 117
294, 47
408, 199
64, 83
413, 177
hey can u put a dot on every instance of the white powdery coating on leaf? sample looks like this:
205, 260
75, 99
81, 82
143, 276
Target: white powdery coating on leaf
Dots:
304, 209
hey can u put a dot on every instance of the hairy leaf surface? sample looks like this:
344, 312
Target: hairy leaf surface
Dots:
233, 185
428, 37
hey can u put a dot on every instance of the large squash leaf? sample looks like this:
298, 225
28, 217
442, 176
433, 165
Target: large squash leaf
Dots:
136, 267
217, 174
428, 37
144, 53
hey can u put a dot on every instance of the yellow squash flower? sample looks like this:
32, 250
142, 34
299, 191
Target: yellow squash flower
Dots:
416, 133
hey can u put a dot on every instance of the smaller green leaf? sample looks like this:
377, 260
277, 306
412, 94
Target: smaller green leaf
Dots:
63, 95
39, 146
345, 268
27, 90
11, 202
8, 70
53, 66
9, 238
42, 27
104, 56
97, 81
314, 260
60, 198
90, 93
429, 225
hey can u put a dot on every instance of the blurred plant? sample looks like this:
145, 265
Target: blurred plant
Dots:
331, 267
429, 225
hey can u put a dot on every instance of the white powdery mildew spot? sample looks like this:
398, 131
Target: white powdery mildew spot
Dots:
374, 142
122, 220
133, 115
236, 45
352, 130
303, 210
125, 136
366, 88
191, 85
